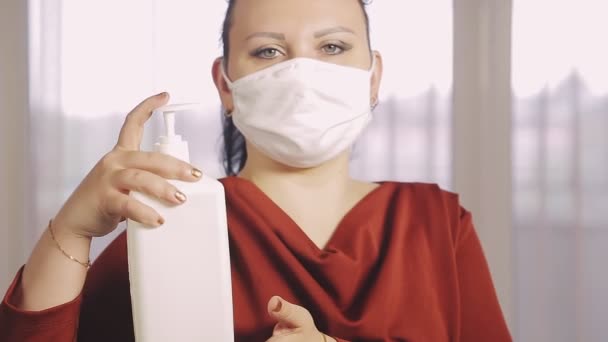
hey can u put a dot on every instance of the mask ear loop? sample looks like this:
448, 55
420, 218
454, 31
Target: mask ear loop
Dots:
375, 100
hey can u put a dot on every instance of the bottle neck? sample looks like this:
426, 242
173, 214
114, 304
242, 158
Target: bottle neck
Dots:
177, 149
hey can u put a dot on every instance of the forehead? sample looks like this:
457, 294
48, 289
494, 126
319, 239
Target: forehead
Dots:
291, 16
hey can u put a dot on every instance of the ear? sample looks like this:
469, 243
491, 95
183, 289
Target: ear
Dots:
376, 78
221, 84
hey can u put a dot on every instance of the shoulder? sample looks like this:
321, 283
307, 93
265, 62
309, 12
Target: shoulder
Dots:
428, 207
425, 196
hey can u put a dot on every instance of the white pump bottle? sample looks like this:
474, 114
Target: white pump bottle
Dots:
179, 273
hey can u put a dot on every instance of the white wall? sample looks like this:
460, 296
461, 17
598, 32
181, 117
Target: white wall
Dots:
13, 139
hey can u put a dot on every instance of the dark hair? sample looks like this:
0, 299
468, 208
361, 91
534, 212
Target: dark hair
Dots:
234, 149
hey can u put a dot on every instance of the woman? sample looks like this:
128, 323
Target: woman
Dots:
335, 259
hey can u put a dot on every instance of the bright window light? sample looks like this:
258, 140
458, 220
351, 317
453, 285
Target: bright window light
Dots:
554, 38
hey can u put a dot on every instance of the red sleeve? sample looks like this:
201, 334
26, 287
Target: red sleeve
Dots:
58, 324
481, 315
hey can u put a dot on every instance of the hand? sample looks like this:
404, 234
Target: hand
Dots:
102, 200
294, 323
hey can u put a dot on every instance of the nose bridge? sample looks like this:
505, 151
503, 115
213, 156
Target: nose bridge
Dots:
301, 45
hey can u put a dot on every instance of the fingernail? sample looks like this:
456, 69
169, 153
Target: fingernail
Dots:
163, 94
278, 307
160, 221
197, 173
180, 196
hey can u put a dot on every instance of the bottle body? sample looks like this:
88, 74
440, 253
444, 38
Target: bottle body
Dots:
180, 272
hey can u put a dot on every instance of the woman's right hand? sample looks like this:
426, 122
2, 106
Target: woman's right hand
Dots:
102, 200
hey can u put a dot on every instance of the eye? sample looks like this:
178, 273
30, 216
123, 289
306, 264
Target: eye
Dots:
267, 53
332, 49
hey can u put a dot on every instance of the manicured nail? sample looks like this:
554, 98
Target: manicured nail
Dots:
197, 173
181, 197
163, 94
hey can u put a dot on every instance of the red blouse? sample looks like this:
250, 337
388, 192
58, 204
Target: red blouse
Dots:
405, 264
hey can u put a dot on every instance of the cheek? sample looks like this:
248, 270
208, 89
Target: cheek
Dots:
237, 67
360, 59
242, 64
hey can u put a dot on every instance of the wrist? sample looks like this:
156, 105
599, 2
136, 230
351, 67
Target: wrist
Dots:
67, 231
80, 246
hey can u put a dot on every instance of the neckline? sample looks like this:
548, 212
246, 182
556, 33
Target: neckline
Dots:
294, 232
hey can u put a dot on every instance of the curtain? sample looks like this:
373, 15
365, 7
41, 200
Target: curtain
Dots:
409, 138
560, 170
88, 74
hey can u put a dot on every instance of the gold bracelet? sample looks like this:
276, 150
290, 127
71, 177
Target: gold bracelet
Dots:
87, 264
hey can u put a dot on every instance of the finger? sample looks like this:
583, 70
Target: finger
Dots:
148, 183
290, 315
133, 128
121, 205
160, 164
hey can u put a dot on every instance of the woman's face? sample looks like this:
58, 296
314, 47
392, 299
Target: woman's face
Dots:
266, 32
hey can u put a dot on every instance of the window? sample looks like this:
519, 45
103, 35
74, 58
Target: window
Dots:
560, 169
409, 139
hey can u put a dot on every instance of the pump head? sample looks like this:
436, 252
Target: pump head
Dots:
171, 143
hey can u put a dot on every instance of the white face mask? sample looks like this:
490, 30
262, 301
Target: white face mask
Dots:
302, 112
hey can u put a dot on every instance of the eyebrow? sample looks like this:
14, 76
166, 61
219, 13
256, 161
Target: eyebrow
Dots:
273, 35
331, 30
318, 34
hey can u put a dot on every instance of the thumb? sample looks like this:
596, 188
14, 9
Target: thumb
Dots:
288, 314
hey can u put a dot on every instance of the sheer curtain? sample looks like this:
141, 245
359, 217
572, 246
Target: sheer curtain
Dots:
409, 139
104, 58
560, 170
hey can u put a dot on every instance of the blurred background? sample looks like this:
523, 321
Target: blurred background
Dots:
502, 101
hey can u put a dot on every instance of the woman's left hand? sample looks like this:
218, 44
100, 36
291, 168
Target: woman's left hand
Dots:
294, 323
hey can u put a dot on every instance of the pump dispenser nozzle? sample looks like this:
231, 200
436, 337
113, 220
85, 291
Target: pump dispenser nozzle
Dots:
169, 124
171, 143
